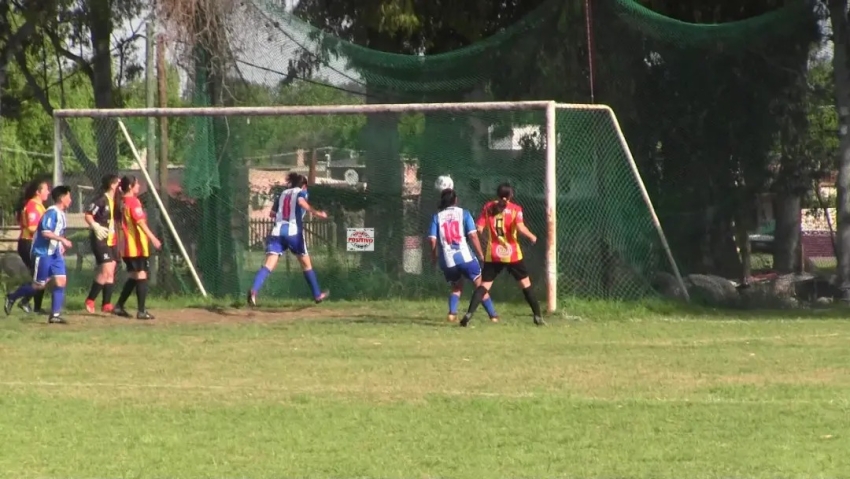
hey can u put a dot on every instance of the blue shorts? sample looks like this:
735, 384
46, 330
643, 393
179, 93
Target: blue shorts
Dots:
470, 271
46, 267
280, 244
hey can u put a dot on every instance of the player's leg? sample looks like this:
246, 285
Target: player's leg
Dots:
455, 279
489, 272
57, 296
101, 257
142, 265
472, 272
275, 247
299, 249
520, 274
41, 267
24, 252
109, 281
129, 286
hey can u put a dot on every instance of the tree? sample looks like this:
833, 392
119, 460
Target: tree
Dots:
841, 71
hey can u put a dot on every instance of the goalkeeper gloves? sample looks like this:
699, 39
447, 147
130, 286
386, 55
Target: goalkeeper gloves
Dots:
101, 232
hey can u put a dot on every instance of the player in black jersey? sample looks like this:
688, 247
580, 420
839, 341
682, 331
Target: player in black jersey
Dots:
102, 216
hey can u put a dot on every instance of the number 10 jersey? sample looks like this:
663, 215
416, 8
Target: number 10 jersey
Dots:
451, 227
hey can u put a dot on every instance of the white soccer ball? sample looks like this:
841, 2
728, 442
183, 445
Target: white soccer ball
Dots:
444, 182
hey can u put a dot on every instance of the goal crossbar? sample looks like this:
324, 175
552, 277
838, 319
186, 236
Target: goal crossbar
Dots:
550, 186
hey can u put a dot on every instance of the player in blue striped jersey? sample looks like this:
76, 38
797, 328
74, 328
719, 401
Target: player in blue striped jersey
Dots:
451, 232
287, 234
48, 256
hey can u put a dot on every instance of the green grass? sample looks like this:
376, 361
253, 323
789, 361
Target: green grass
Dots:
390, 390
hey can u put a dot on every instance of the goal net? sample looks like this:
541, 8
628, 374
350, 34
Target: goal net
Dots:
373, 169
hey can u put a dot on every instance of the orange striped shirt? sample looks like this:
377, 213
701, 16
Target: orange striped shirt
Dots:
502, 233
30, 217
135, 239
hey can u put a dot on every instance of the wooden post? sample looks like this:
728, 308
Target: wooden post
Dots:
311, 176
162, 87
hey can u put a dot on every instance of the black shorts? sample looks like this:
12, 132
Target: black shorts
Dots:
138, 265
103, 253
490, 270
25, 252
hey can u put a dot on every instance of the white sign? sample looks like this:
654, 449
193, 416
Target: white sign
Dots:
360, 239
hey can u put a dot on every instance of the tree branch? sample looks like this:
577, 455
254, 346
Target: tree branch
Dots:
41, 96
81, 62
15, 42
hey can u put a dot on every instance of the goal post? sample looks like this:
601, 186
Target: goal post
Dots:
478, 144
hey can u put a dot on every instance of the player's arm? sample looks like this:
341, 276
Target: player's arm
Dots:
482, 219
302, 202
137, 212
523, 230
472, 234
432, 238
99, 231
50, 229
275, 205
30, 218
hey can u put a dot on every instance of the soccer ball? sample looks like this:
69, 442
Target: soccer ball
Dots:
444, 182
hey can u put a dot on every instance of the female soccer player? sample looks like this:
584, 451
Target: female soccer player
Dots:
136, 255
100, 216
288, 234
452, 229
29, 213
48, 253
503, 221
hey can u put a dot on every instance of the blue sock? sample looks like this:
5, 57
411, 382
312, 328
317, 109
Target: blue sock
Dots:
488, 306
260, 278
310, 276
24, 291
57, 300
454, 299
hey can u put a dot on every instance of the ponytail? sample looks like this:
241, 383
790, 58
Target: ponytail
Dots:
505, 192
447, 198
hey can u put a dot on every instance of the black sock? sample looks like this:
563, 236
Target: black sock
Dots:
475, 301
94, 290
532, 300
129, 286
107, 292
38, 299
141, 293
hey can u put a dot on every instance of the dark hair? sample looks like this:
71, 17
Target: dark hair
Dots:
447, 198
27, 193
107, 181
292, 179
128, 182
58, 192
505, 193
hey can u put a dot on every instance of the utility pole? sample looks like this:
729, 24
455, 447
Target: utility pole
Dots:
150, 91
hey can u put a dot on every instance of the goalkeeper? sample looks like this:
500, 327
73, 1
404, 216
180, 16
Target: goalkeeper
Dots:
101, 215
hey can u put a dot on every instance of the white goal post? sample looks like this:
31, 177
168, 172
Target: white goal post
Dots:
550, 187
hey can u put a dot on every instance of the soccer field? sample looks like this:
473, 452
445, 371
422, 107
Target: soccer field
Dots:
390, 390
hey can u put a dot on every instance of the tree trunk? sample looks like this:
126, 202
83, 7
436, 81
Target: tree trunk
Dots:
841, 66
786, 238
105, 130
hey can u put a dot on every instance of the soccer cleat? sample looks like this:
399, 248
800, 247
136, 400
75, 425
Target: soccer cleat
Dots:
452, 318
252, 299
323, 296
107, 308
494, 319
120, 311
7, 305
90, 306
144, 316
25, 307
464, 322
538, 321
56, 319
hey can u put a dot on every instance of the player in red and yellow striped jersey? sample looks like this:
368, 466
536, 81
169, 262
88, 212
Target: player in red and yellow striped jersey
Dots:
503, 222
138, 239
29, 214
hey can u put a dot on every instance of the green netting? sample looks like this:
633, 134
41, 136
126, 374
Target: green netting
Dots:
696, 101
